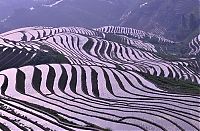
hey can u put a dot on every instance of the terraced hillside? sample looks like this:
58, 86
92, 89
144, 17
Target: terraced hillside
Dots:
109, 78
195, 46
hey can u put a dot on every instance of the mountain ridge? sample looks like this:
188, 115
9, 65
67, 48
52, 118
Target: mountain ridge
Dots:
175, 20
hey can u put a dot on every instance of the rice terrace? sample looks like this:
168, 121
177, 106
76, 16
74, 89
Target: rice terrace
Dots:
116, 77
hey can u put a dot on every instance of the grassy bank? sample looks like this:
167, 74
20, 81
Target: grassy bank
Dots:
174, 85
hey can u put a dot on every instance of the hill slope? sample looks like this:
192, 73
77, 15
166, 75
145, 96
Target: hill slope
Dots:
177, 20
108, 78
169, 18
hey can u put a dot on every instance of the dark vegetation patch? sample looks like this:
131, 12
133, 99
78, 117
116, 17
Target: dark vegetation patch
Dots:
193, 60
174, 85
49, 57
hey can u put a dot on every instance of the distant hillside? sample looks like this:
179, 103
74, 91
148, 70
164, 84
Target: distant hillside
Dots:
88, 13
177, 20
